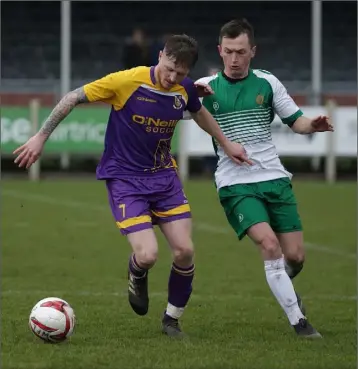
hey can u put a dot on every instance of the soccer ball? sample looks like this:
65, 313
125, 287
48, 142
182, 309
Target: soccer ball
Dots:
52, 319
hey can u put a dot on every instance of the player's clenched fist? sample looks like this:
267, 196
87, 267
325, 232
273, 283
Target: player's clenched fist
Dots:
30, 151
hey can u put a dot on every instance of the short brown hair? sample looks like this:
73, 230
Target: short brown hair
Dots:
236, 28
182, 49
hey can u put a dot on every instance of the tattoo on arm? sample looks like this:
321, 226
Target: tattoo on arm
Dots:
62, 109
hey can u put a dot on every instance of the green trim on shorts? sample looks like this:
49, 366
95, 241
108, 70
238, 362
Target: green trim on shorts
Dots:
271, 201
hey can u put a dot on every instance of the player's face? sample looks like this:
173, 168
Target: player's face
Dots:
236, 54
169, 73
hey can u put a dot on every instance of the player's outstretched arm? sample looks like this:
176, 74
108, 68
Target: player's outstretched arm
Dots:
28, 153
104, 89
62, 109
285, 107
234, 150
304, 125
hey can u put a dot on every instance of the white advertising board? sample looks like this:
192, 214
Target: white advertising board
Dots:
198, 143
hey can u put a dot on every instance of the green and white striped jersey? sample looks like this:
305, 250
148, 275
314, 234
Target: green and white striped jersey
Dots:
245, 110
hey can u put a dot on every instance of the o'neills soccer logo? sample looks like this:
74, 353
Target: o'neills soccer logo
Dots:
155, 125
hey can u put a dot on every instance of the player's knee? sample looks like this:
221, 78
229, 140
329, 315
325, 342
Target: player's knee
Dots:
146, 254
270, 247
295, 255
184, 255
146, 258
294, 264
296, 258
145, 247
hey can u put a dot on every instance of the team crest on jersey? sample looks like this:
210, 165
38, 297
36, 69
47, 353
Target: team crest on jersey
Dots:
259, 99
177, 102
215, 105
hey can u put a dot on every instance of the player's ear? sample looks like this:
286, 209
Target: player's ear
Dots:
219, 49
253, 51
160, 55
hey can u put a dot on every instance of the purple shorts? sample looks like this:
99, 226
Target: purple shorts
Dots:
138, 203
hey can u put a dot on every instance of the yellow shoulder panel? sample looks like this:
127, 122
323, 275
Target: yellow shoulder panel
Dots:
116, 88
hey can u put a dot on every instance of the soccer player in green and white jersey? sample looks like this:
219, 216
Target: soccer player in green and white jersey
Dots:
258, 199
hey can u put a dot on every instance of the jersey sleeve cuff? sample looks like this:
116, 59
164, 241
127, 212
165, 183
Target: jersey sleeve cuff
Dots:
194, 109
292, 118
87, 91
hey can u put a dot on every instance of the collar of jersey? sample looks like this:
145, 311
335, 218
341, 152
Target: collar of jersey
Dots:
233, 81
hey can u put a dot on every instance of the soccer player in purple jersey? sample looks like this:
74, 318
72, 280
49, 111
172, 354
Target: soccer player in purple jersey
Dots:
139, 170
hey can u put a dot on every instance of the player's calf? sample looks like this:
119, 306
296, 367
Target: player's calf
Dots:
282, 288
293, 266
181, 274
292, 247
179, 292
144, 256
300, 304
276, 276
138, 287
180, 280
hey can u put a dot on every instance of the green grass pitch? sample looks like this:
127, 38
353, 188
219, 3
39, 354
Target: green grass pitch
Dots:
59, 239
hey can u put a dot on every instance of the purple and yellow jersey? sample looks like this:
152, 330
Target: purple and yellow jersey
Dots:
142, 121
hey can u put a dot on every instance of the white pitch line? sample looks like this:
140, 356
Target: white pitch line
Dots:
53, 201
309, 245
329, 250
197, 225
194, 296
